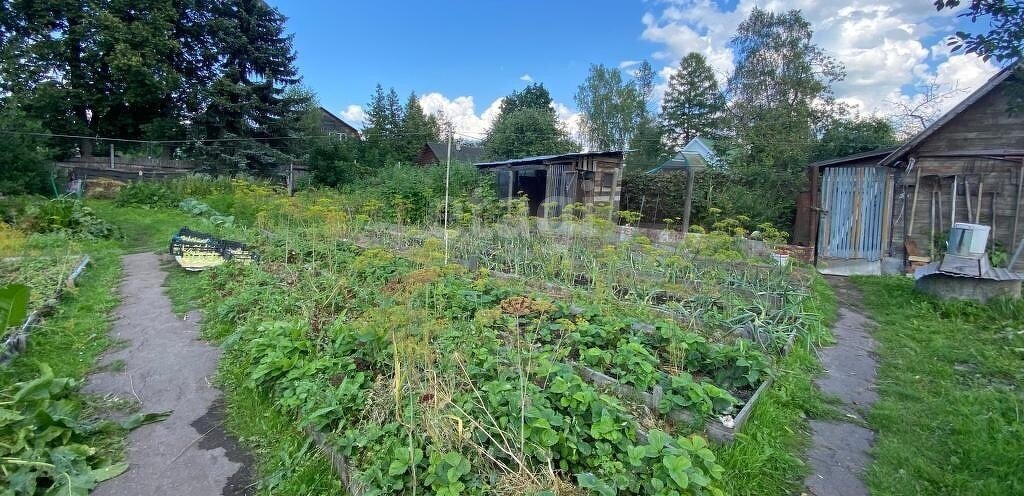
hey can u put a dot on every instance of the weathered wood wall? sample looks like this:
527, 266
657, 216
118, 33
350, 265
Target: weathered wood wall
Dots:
983, 149
998, 182
984, 126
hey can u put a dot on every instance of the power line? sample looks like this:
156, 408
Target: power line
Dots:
335, 136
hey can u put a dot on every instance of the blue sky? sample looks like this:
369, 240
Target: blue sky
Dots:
462, 56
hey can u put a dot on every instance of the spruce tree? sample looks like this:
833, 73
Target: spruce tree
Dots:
693, 102
250, 107
417, 129
383, 129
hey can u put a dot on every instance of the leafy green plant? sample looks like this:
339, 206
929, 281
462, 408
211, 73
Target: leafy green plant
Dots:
700, 398
45, 437
146, 194
65, 214
445, 473
633, 364
13, 305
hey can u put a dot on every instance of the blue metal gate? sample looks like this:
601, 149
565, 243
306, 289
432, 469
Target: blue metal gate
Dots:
855, 218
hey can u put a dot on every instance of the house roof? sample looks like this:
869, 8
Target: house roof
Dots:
994, 81
682, 160
326, 114
698, 153
460, 152
856, 157
544, 159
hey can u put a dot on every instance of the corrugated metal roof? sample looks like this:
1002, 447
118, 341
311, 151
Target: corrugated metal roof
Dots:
460, 153
852, 158
540, 159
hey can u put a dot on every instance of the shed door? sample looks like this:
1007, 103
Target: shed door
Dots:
853, 220
559, 184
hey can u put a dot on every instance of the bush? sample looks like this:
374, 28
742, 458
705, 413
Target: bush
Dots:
415, 194
199, 185
65, 214
148, 195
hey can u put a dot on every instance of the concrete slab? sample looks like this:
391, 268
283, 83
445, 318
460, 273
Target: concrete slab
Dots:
838, 458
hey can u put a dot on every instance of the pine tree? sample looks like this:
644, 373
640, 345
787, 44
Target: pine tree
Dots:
693, 102
250, 100
99, 68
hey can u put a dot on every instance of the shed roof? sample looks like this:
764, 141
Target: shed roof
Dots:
989, 85
545, 159
856, 157
460, 152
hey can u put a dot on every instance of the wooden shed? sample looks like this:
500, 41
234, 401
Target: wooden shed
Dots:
968, 166
550, 182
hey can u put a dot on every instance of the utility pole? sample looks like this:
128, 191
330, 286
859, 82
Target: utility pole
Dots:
447, 177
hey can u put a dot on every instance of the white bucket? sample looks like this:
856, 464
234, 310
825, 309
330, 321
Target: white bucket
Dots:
781, 258
968, 239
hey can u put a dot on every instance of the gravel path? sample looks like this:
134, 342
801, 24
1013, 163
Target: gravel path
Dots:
166, 367
840, 450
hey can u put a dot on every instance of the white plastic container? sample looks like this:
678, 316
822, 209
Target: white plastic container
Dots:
781, 258
968, 239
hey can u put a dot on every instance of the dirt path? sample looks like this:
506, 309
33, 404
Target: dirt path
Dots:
166, 367
840, 450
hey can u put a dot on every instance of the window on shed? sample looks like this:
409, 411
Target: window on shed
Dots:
607, 181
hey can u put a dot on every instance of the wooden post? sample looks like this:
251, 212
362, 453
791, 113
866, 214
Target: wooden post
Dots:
952, 214
913, 205
967, 200
615, 204
290, 180
511, 183
1020, 193
111, 156
981, 192
689, 200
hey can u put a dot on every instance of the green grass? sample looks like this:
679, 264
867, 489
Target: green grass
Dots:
287, 462
143, 229
949, 420
767, 455
73, 337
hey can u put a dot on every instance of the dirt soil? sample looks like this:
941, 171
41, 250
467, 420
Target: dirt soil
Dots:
840, 450
166, 367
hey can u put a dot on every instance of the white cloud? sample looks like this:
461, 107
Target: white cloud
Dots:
526, 77
354, 115
461, 111
878, 42
626, 64
570, 120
